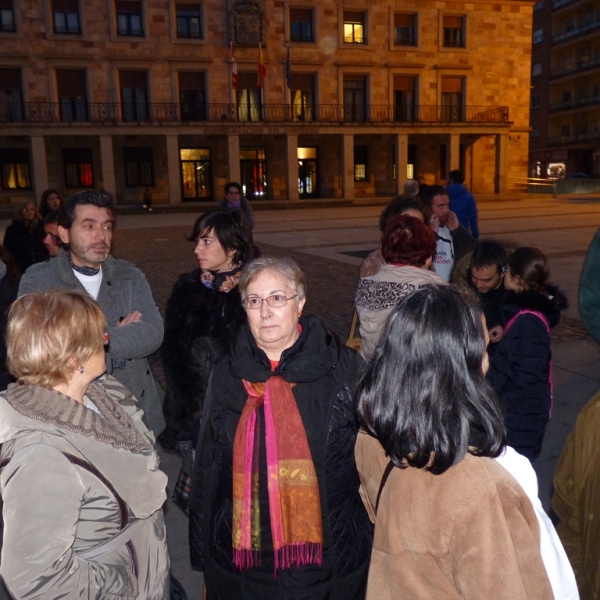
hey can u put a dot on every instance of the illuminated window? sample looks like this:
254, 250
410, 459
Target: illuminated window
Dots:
302, 91
248, 98
14, 163
195, 173
79, 172
360, 163
354, 28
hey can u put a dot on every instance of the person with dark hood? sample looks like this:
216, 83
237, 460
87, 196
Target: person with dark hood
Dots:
521, 371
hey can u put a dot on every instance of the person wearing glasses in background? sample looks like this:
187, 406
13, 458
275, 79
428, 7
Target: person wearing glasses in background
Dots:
279, 411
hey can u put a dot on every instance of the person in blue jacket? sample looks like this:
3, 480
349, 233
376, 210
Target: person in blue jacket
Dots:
462, 202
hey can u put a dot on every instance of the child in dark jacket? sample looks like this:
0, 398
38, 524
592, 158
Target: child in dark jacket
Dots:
521, 370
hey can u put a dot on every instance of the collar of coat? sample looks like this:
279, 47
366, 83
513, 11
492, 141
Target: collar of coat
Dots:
116, 442
111, 426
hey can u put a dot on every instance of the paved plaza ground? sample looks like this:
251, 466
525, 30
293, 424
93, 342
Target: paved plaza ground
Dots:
326, 243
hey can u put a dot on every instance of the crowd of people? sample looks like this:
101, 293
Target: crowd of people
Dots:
309, 470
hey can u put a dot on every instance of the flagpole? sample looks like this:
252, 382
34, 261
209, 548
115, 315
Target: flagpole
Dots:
230, 78
262, 81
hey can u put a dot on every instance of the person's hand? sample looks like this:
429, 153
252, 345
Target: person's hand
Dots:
134, 317
453, 222
434, 223
496, 333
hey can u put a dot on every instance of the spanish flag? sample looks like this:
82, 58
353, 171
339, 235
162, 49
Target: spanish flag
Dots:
262, 70
234, 73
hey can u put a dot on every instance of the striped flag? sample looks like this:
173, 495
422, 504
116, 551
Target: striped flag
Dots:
288, 68
234, 73
262, 71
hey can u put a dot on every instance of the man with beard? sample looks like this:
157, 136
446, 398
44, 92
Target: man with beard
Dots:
453, 240
486, 277
135, 327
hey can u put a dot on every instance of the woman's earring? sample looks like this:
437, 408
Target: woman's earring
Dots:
81, 369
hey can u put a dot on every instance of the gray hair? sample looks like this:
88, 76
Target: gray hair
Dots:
285, 267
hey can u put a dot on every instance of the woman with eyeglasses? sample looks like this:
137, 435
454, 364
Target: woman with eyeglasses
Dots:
203, 315
79, 474
24, 237
275, 506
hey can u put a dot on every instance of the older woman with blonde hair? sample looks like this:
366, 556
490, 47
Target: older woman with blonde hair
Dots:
79, 475
275, 507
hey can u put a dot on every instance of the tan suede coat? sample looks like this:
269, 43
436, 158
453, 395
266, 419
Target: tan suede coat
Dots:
470, 533
577, 499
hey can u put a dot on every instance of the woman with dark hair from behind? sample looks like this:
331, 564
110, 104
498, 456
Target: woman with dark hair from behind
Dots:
407, 246
202, 317
450, 521
521, 370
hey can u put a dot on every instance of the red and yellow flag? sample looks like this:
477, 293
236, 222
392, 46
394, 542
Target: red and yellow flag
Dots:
262, 70
234, 73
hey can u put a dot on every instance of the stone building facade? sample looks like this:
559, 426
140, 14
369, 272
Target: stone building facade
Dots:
354, 97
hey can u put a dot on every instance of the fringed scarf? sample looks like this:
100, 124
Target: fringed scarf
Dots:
294, 503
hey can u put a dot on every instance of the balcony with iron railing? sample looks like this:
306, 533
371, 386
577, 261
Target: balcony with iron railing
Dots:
581, 66
561, 3
173, 113
575, 103
592, 25
584, 136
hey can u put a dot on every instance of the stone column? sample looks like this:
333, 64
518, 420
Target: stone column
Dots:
453, 159
401, 162
348, 166
107, 161
39, 166
173, 169
233, 156
292, 168
501, 179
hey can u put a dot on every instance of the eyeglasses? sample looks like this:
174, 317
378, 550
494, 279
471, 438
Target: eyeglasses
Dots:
274, 301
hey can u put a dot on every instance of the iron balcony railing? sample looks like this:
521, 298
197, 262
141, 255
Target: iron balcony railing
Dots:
575, 103
560, 3
583, 65
109, 113
588, 26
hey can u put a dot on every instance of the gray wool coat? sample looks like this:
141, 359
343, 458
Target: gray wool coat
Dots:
71, 481
123, 290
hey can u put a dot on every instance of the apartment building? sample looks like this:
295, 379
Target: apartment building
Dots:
565, 98
296, 99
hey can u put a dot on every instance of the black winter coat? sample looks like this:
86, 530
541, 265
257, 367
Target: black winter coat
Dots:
325, 373
200, 325
520, 371
26, 245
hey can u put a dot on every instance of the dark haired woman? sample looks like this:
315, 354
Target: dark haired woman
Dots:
521, 370
202, 317
450, 521
24, 237
234, 200
407, 246
50, 201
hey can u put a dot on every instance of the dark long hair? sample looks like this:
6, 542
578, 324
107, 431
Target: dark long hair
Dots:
424, 395
231, 229
531, 266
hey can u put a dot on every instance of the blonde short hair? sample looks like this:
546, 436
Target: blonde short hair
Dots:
47, 330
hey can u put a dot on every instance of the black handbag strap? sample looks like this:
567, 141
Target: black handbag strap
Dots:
384, 478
